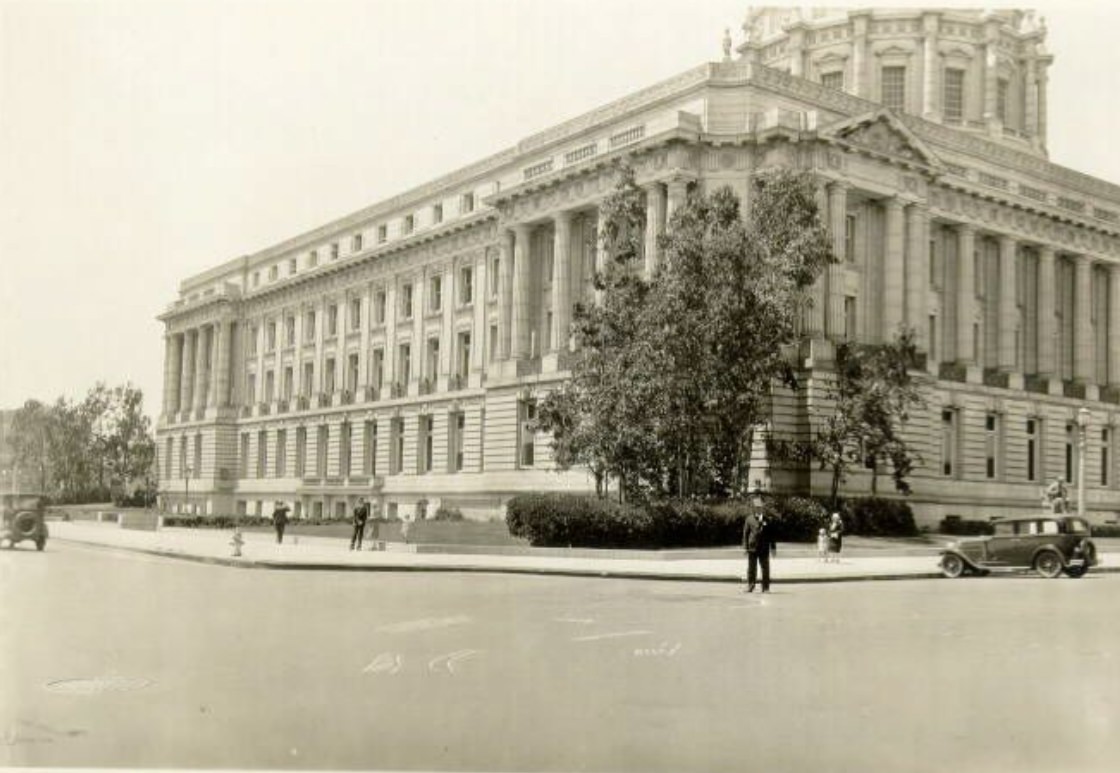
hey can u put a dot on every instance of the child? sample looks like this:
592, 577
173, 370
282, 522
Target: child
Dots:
822, 545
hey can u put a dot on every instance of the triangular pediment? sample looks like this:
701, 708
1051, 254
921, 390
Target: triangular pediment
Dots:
881, 133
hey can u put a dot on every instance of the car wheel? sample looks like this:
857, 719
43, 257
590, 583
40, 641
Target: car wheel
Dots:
1048, 563
25, 524
952, 566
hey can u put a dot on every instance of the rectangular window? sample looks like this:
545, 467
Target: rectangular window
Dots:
435, 293
404, 365
332, 319
308, 378
352, 373
197, 456
269, 385
850, 317
256, 278
355, 313
463, 358
948, 443
408, 224
344, 447
431, 366
356, 243
1070, 445
271, 337
894, 88
377, 368
934, 265
991, 445
493, 343
328, 376
382, 233
244, 454
833, 80
424, 445
456, 427
1105, 445
262, 453
466, 203
933, 337
301, 450
954, 95
379, 307
286, 387
526, 429
437, 213
466, 285
289, 331
494, 277
281, 453
251, 388
292, 266
334, 250
406, 301
254, 333
396, 445
184, 465
313, 259
168, 450
1032, 449
309, 327
322, 444
1001, 100
850, 238
369, 448
273, 273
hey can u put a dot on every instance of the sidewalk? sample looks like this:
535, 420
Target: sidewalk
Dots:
324, 553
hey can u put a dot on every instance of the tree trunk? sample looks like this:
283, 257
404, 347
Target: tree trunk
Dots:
835, 485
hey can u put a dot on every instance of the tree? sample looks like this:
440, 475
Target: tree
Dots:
872, 397
673, 372
28, 440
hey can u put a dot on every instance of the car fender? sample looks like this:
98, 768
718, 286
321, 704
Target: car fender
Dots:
1052, 547
967, 561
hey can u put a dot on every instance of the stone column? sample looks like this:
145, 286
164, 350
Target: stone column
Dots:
225, 363
186, 388
201, 350
448, 348
966, 294
655, 205
893, 273
562, 281
917, 274
677, 196
174, 374
217, 351
522, 274
1114, 326
838, 224
931, 65
366, 324
505, 294
1008, 308
1084, 364
1047, 330
480, 342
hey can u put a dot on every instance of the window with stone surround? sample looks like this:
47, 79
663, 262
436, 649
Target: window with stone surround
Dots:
527, 417
293, 266
323, 439
352, 373
328, 376
196, 471
850, 320
369, 448
932, 335
273, 273
404, 365
424, 442
168, 450
344, 449
313, 259
281, 453
992, 450
382, 233
493, 343
334, 250
431, 367
1071, 445
290, 330
332, 319
1032, 449
301, 451
262, 453
288, 382
251, 388
379, 300
463, 358
377, 367
356, 243
308, 378
1001, 100
437, 214
406, 301
408, 224
256, 278
466, 203
949, 443
456, 429
396, 444
309, 327
850, 238
271, 337
954, 95
495, 265
244, 454
435, 293
893, 88
355, 313
466, 285
833, 80
1106, 445
269, 385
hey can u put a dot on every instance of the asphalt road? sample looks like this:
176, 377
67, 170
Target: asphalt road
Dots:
113, 659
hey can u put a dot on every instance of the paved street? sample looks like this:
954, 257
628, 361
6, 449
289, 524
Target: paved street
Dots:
121, 659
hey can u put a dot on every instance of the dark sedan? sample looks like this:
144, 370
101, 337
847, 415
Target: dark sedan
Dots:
1048, 544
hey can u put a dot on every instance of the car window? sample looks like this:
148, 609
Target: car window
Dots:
1049, 527
1003, 529
1077, 526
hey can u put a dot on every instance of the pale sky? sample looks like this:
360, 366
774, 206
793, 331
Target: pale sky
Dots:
143, 142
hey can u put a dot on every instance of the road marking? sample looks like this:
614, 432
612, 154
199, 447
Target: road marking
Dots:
424, 624
616, 635
386, 662
662, 650
449, 660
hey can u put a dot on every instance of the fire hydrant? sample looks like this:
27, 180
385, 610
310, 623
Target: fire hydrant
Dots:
237, 542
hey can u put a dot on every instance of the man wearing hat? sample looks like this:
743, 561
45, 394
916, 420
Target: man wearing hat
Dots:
758, 540
280, 520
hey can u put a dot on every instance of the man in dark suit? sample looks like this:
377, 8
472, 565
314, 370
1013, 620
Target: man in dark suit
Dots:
361, 513
758, 541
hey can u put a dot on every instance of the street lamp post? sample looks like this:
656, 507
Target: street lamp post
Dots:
1082, 443
189, 471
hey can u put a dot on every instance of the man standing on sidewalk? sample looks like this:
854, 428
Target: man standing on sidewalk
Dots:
280, 520
758, 541
361, 514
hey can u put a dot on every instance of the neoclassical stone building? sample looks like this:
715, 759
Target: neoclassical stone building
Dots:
397, 353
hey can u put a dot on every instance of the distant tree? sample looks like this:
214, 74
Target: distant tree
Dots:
872, 397
27, 439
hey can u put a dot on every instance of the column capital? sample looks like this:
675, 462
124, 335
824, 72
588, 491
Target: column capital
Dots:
564, 217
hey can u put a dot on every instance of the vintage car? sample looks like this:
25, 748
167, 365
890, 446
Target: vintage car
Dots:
1048, 544
22, 520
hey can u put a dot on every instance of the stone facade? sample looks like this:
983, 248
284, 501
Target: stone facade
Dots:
397, 353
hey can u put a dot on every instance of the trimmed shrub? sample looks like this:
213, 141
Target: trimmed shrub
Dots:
874, 516
962, 527
448, 514
796, 519
567, 520
1105, 530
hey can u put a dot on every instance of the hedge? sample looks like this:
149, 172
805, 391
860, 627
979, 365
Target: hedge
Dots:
229, 521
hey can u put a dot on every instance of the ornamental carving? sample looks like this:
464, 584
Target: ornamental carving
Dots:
882, 138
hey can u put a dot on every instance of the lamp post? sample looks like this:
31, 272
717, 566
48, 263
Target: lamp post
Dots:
1082, 438
188, 471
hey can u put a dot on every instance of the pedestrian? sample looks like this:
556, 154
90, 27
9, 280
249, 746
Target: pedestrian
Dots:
822, 545
279, 520
835, 537
758, 541
361, 514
